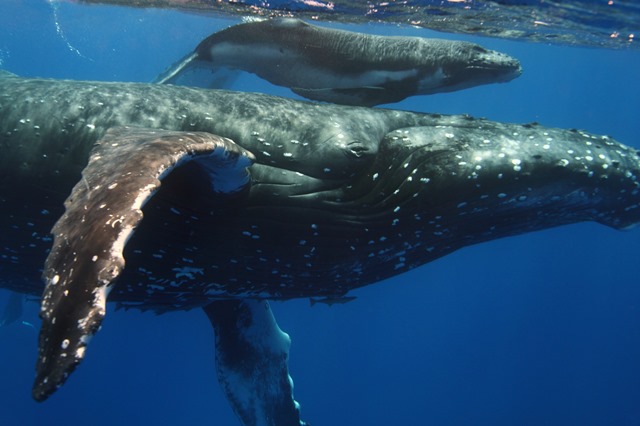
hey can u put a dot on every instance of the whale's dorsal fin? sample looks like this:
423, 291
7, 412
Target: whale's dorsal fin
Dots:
124, 171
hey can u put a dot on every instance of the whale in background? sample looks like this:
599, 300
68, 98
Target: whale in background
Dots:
344, 67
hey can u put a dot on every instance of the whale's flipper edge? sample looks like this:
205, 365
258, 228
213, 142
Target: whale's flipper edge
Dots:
252, 362
193, 72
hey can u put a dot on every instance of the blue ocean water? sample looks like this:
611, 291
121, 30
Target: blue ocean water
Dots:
540, 329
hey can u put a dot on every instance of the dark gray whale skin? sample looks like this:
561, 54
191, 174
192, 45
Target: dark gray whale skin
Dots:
345, 67
338, 198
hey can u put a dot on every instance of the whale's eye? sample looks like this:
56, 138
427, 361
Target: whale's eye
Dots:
357, 150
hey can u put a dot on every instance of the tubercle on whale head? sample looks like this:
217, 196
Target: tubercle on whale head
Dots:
485, 180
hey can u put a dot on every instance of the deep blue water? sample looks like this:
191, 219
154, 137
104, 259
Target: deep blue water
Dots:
541, 329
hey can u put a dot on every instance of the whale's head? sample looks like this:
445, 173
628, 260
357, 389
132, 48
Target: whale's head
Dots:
432, 190
463, 65
426, 191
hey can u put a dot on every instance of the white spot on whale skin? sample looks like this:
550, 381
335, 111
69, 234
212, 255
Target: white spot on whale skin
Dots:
65, 344
80, 352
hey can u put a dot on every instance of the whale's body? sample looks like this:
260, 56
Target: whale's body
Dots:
261, 198
346, 67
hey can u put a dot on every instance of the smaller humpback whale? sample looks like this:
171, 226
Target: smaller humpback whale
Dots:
345, 67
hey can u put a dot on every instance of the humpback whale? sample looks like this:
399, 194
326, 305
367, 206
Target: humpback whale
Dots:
346, 67
162, 197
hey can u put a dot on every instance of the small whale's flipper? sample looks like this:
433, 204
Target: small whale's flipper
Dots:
12, 311
105, 207
251, 358
169, 75
192, 72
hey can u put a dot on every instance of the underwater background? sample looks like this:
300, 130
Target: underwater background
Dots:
538, 329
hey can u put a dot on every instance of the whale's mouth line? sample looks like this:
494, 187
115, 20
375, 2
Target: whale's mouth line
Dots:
514, 70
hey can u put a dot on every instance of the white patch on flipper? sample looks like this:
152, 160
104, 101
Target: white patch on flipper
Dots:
267, 338
278, 342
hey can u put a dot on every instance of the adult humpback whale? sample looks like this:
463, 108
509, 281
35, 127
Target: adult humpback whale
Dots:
346, 67
336, 198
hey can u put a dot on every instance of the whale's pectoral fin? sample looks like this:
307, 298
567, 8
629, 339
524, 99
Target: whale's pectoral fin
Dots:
102, 212
251, 358
194, 72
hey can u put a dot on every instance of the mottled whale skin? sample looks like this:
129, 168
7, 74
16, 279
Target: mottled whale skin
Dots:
236, 198
347, 67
